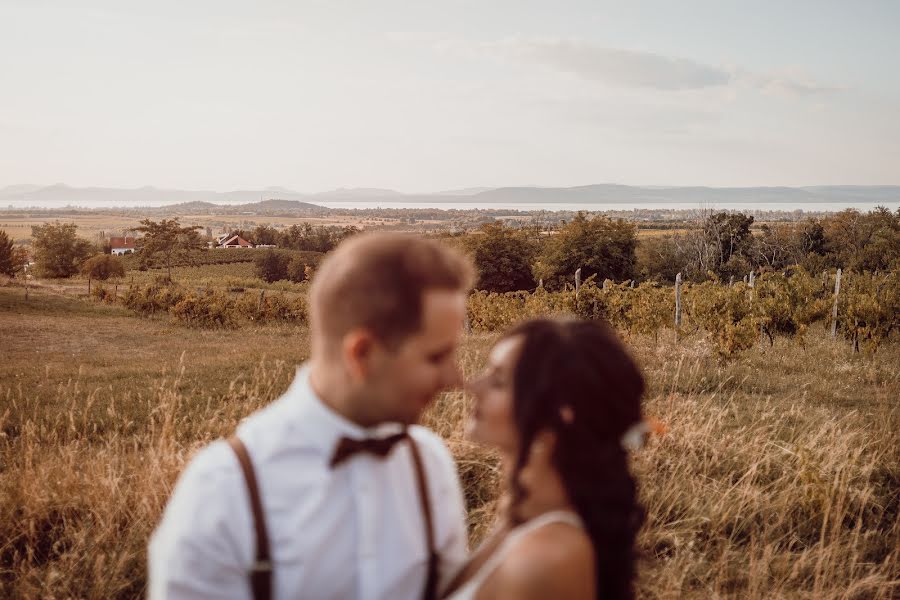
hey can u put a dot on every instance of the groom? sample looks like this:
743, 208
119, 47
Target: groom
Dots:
332, 491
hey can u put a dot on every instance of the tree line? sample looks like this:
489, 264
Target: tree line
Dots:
721, 246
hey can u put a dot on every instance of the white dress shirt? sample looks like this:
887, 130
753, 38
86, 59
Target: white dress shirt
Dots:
355, 531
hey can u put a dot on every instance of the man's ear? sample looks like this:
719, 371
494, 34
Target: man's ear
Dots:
357, 349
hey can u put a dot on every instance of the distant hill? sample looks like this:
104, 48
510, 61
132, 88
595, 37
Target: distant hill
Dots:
60, 195
357, 193
464, 191
618, 194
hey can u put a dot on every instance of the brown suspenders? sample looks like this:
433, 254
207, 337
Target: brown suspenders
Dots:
261, 572
431, 580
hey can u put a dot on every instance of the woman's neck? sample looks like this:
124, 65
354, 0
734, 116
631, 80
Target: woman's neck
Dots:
542, 486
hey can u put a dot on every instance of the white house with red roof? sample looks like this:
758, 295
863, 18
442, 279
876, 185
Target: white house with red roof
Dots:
122, 245
235, 241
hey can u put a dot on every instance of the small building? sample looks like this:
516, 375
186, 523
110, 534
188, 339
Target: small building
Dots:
235, 241
122, 245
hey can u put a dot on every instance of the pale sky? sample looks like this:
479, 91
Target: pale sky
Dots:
428, 95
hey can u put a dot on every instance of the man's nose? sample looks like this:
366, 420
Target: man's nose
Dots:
454, 377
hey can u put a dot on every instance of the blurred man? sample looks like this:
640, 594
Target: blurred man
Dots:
332, 491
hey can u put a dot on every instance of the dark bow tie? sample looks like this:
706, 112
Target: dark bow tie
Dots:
380, 447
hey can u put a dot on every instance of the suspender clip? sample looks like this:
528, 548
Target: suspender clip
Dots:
261, 566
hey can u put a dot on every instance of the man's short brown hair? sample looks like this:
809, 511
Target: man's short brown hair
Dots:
378, 280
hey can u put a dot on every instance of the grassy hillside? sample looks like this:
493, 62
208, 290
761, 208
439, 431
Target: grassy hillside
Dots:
779, 475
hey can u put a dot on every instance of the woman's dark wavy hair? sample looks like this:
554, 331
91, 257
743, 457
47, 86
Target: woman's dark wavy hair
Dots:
584, 365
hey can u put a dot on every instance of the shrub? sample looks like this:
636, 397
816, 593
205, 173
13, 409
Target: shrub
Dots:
102, 267
272, 266
58, 252
205, 309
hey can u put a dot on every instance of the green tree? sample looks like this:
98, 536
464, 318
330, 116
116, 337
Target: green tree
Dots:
272, 266
503, 256
58, 251
168, 240
863, 242
598, 246
661, 257
103, 266
296, 269
265, 235
12, 258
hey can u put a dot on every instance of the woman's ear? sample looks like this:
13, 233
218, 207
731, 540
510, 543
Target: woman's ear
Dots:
543, 445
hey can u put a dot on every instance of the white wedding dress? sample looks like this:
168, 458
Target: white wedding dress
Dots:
469, 590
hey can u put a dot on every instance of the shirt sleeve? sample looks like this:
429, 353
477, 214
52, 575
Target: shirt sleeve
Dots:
198, 549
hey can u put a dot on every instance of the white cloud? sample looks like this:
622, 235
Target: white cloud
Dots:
629, 68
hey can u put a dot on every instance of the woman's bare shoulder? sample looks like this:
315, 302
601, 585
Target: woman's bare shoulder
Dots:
556, 560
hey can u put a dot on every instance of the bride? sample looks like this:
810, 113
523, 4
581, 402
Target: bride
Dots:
559, 400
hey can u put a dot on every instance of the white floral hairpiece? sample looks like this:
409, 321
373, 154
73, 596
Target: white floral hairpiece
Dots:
635, 436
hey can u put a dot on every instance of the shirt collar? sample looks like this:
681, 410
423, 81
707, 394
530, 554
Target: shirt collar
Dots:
319, 425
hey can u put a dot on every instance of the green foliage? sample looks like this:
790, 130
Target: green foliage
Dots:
215, 308
599, 246
869, 308
58, 252
787, 303
152, 299
503, 257
725, 312
661, 257
103, 294
863, 242
780, 304
222, 256
727, 237
272, 266
492, 311
208, 308
167, 241
652, 308
312, 238
297, 270
12, 258
102, 267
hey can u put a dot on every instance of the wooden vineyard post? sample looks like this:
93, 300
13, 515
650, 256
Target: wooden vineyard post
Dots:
834, 309
89, 286
606, 284
677, 305
577, 285
261, 302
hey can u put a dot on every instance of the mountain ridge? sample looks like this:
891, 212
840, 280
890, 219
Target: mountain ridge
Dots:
58, 195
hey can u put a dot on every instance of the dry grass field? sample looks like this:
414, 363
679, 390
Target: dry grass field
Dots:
17, 224
779, 476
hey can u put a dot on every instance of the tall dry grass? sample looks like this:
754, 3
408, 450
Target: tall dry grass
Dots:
779, 476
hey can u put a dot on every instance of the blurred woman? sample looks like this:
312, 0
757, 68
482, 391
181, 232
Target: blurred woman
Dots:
559, 400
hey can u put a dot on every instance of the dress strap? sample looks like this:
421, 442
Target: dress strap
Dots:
513, 537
